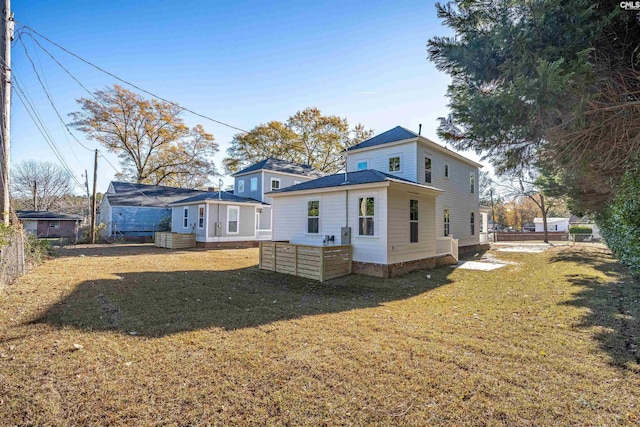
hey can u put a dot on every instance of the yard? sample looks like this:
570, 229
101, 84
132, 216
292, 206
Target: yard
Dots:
131, 335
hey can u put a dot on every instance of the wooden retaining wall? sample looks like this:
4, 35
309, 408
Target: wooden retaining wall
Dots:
174, 240
313, 262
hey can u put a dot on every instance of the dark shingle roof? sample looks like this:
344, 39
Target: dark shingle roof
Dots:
281, 166
47, 215
368, 176
214, 196
130, 194
398, 133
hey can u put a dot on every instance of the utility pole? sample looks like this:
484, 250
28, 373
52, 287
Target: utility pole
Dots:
35, 195
493, 217
93, 200
5, 107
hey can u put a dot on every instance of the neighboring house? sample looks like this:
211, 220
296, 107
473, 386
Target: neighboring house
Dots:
44, 224
129, 209
241, 215
400, 205
553, 224
586, 222
217, 218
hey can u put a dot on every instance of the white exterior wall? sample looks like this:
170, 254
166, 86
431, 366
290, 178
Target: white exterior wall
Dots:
400, 248
457, 196
378, 159
290, 221
177, 217
553, 225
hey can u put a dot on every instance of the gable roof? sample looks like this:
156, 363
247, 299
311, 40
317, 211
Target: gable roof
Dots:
46, 215
398, 133
369, 176
215, 196
130, 194
278, 165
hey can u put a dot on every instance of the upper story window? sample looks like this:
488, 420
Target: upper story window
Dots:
185, 217
447, 222
241, 186
472, 183
366, 213
413, 221
363, 165
201, 216
275, 183
427, 170
254, 184
446, 170
313, 217
394, 163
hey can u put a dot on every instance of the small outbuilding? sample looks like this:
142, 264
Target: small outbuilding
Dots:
45, 224
553, 224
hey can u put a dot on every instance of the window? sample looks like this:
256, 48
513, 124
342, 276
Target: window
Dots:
185, 217
241, 186
446, 170
54, 224
427, 170
394, 164
446, 222
363, 165
473, 223
413, 221
472, 183
201, 216
275, 184
313, 217
254, 184
233, 219
366, 211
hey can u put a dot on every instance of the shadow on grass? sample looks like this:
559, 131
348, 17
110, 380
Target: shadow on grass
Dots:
115, 250
155, 304
614, 304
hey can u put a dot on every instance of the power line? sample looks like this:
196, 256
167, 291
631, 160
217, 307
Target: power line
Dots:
129, 83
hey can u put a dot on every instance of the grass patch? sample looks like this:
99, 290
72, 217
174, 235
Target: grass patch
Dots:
130, 335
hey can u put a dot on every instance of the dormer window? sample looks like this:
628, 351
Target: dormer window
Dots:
394, 163
254, 184
275, 184
363, 165
241, 186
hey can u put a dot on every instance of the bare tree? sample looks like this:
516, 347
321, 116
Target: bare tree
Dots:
40, 185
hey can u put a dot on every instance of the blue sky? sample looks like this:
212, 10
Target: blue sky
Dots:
243, 63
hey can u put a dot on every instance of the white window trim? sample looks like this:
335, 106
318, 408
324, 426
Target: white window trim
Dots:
254, 180
425, 169
229, 209
366, 162
204, 216
314, 199
185, 210
375, 214
241, 186
279, 183
391, 156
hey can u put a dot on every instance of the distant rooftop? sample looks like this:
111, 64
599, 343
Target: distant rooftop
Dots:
216, 196
25, 214
132, 194
278, 165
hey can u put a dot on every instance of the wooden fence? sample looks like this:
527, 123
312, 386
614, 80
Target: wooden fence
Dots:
313, 262
174, 240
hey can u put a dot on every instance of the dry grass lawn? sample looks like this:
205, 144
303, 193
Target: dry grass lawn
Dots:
134, 335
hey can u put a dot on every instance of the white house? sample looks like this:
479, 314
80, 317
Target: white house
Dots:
222, 218
553, 224
400, 205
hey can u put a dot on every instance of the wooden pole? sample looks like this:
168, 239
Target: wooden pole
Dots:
93, 199
5, 108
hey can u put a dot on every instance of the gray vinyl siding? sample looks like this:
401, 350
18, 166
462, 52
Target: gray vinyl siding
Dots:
285, 181
265, 218
177, 217
457, 196
378, 159
257, 195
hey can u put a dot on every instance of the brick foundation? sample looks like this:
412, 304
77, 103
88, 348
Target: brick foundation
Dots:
473, 249
228, 245
386, 271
